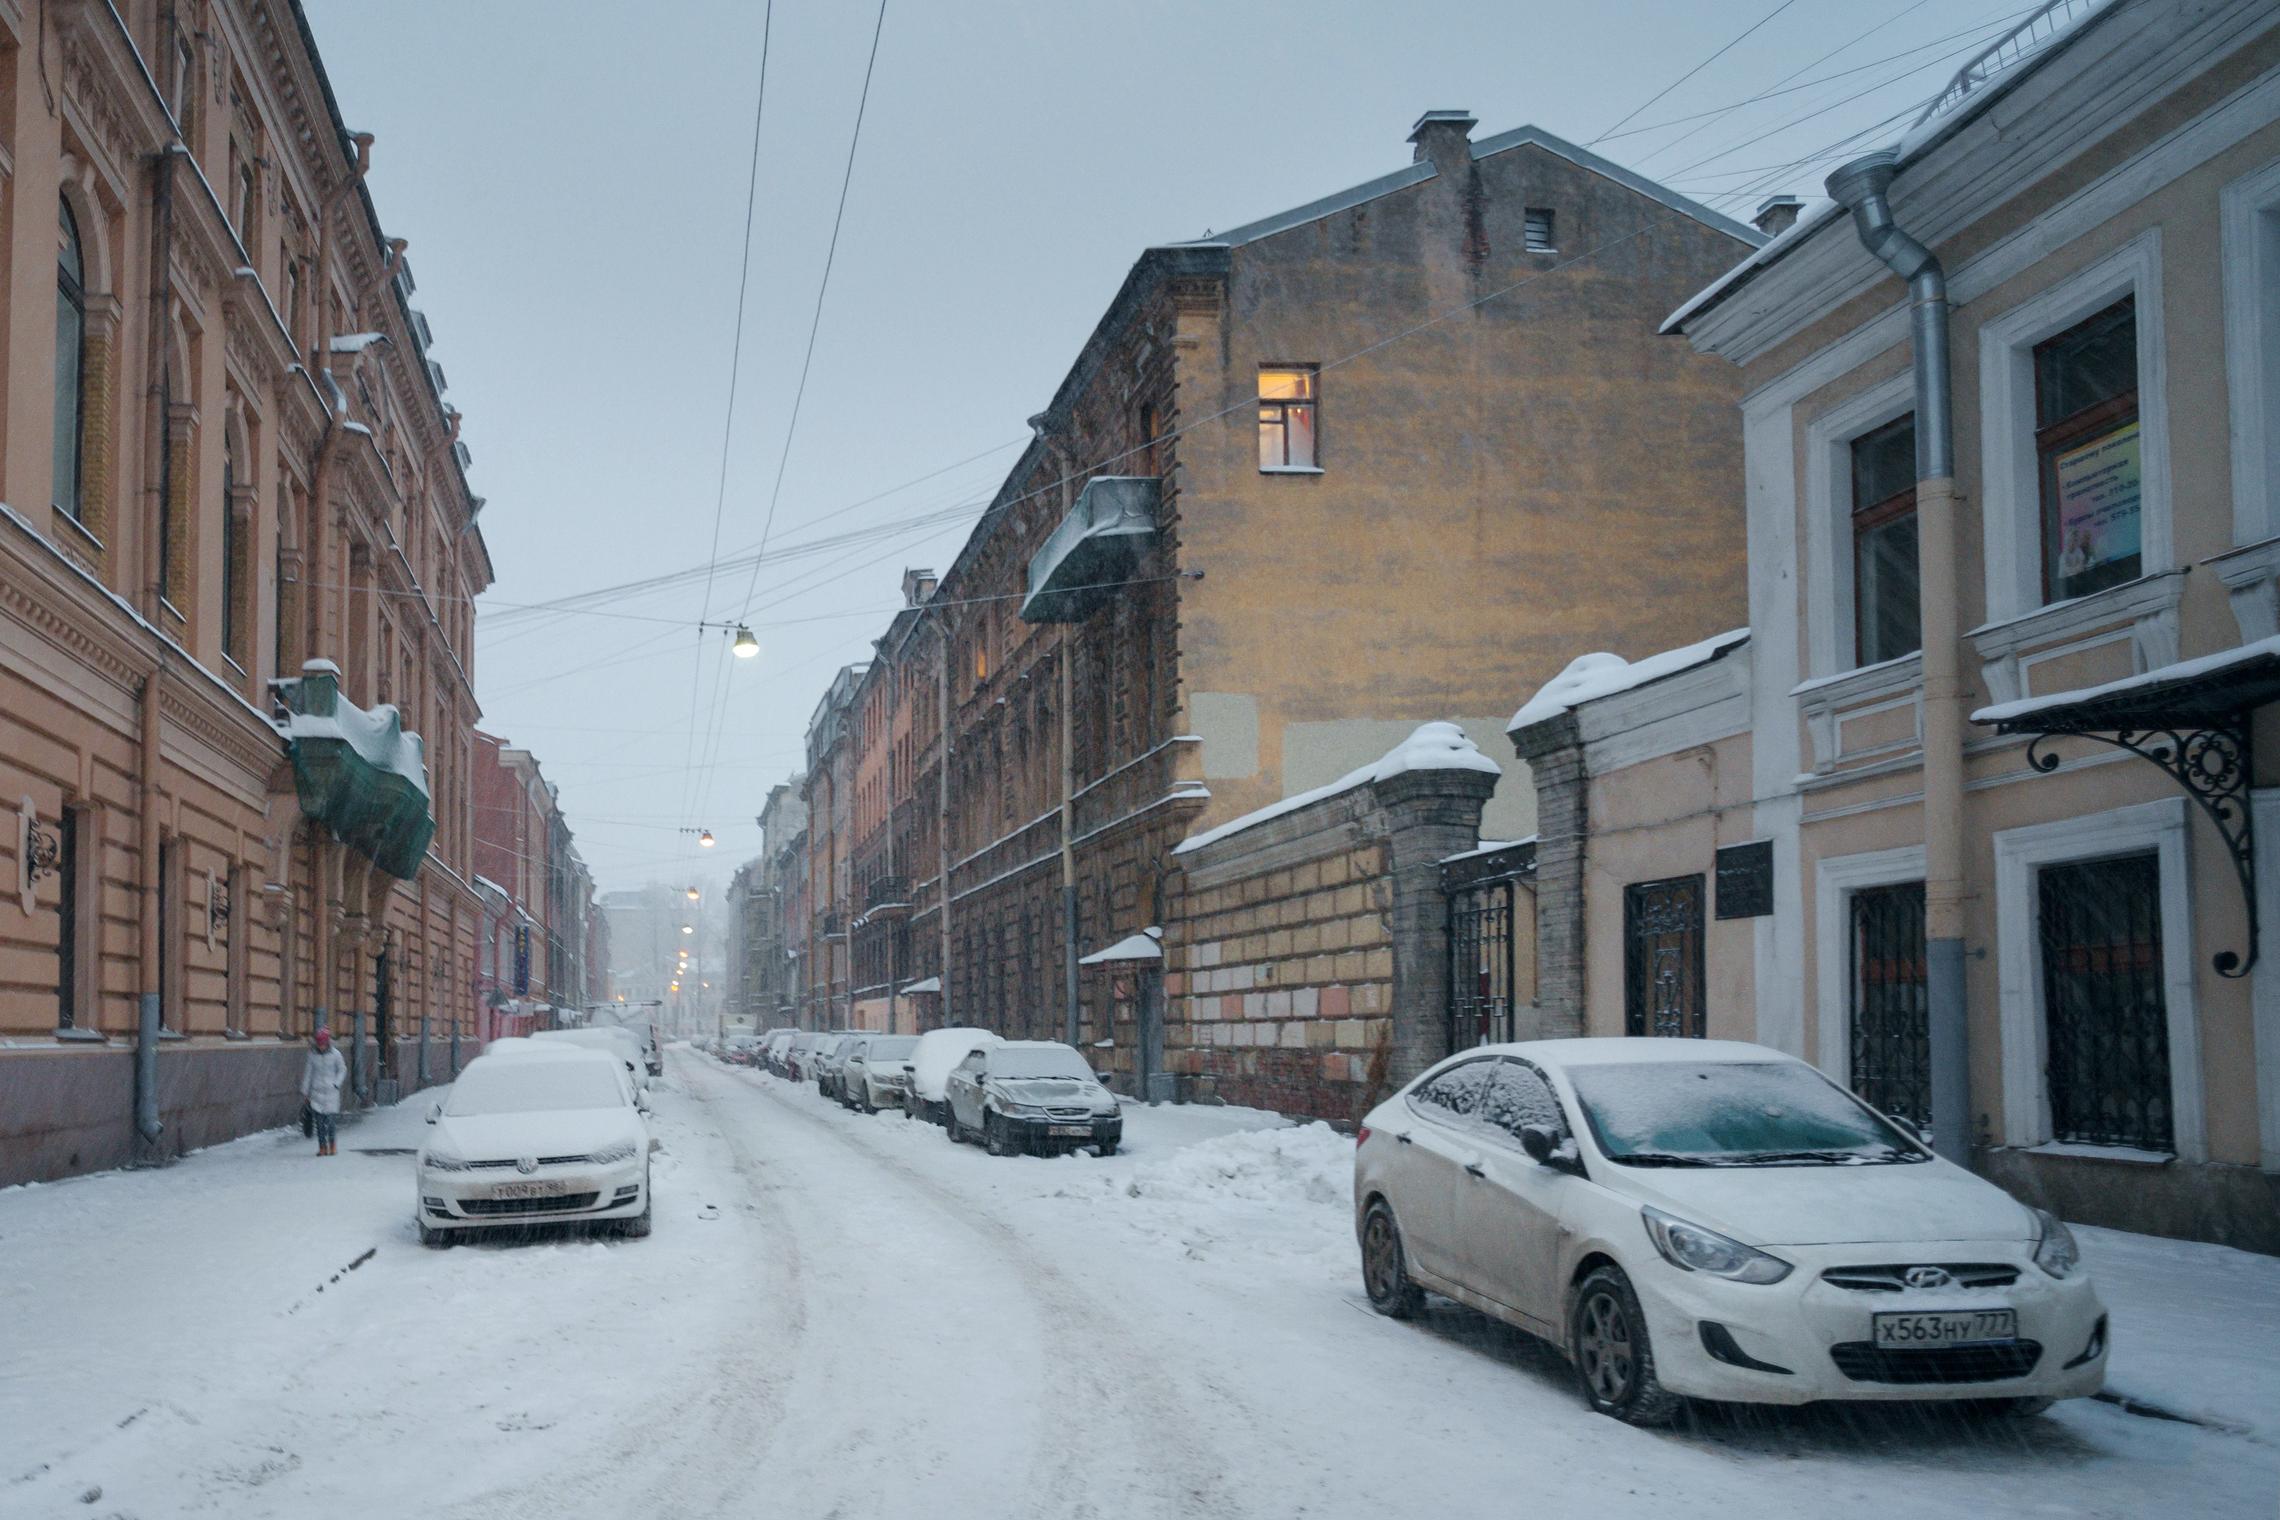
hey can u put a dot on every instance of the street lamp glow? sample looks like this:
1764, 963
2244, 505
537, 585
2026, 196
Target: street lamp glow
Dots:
688, 929
692, 894
706, 839
746, 646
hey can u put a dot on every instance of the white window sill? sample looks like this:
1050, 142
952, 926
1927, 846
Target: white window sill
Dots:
2128, 1154
1881, 679
1290, 469
2147, 606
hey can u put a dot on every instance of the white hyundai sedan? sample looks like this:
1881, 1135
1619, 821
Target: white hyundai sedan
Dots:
535, 1138
1717, 1220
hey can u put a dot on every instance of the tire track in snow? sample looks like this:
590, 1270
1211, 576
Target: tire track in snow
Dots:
1124, 1386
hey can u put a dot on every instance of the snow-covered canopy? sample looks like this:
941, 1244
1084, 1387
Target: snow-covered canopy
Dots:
1144, 946
2183, 670
1436, 746
1589, 677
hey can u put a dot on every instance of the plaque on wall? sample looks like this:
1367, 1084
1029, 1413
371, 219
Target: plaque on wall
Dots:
1745, 880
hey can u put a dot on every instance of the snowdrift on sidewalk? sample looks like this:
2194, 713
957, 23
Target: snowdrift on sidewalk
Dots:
1310, 1163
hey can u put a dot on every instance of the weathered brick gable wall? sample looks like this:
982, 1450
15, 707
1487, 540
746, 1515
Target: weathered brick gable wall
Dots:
1306, 957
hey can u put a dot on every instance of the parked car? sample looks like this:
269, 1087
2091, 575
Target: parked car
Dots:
1032, 1095
653, 1052
535, 1138
873, 1076
615, 1038
1712, 1219
831, 1056
930, 1063
774, 1048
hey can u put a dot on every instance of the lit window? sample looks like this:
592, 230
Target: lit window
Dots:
1286, 419
70, 353
2086, 447
1539, 230
1884, 543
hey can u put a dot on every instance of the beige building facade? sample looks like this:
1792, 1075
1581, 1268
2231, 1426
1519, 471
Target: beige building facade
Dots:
224, 453
1748, 850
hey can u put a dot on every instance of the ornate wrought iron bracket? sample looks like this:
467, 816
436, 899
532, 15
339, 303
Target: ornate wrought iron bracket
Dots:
2213, 765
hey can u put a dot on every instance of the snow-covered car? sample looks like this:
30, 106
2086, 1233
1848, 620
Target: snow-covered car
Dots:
831, 1055
1032, 1095
1718, 1220
872, 1077
535, 1139
931, 1062
616, 1039
799, 1060
774, 1048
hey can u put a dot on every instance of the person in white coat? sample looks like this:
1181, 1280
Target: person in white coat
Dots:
321, 1076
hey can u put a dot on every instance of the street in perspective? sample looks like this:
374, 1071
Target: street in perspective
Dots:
1197, 788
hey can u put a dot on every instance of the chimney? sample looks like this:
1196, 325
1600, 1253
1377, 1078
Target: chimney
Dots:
918, 587
1445, 137
1777, 214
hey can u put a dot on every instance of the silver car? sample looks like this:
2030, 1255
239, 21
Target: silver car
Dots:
873, 1076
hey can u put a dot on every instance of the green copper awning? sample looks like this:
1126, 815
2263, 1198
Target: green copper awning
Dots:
357, 772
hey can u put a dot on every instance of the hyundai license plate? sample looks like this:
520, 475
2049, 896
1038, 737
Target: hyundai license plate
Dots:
1947, 1327
1078, 1131
528, 1189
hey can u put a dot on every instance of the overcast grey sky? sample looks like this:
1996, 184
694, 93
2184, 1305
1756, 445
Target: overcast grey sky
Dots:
572, 179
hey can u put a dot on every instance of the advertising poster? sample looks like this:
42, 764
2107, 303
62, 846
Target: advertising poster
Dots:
2097, 502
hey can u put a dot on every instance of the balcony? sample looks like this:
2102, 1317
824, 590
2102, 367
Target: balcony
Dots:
1094, 548
887, 897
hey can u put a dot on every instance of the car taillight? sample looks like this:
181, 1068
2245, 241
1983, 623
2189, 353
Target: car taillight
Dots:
1362, 1135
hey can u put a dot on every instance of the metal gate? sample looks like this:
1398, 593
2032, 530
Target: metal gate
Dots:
1482, 888
2106, 1015
1662, 957
1890, 1045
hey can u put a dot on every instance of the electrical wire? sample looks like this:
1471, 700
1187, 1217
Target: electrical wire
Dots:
1698, 68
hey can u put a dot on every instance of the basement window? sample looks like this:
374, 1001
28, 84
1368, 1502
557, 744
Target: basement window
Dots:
1540, 230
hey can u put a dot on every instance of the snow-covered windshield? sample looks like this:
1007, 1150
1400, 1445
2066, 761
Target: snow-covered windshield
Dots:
893, 1047
1021, 1063
1730, 1113
532, 1087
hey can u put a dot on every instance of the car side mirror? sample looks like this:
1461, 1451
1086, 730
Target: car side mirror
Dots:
1543, 1148
1907, 1127
435, 1113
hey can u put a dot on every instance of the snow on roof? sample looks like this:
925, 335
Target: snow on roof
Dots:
377, 734
2183, 670
1589, 677
1143, 946
1487, 847
1973, 88
925, 984
1436, 746
356, 343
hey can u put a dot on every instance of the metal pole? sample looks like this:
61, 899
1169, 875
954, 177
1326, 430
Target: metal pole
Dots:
942, 826
1069, 834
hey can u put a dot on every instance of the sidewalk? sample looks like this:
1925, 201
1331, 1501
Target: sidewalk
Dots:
2196, 1327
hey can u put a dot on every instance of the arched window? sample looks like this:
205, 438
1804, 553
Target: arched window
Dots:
70, 353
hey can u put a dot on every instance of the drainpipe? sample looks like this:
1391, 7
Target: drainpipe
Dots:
1860, 188
942, 753
147, 1010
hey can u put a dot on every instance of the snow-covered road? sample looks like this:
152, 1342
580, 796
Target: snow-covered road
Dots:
849, 1316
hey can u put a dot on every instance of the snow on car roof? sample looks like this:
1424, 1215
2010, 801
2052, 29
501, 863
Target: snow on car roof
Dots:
1632, 1050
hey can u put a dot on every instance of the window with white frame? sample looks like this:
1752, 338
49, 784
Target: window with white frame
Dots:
2074, 435
2251, 252
2095, 931
1886, 621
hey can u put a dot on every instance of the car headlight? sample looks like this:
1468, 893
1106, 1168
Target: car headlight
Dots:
624, 1150
2056, 1251
1691, 1248
1024, 1110
441, 1161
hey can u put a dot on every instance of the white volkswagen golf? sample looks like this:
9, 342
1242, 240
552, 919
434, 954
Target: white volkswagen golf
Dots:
543, 1136
1711, 1219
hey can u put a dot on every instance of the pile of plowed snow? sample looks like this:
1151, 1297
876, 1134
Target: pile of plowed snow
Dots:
1308, 1163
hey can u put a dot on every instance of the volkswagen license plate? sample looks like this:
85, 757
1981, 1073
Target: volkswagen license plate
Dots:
1076, 1131
528, 1189
1946, 1327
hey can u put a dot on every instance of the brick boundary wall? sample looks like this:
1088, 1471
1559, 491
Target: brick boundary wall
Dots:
1306, 957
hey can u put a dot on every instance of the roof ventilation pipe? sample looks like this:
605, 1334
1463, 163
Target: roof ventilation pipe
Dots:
1860, 187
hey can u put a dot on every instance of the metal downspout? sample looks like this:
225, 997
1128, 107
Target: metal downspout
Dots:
1860, 187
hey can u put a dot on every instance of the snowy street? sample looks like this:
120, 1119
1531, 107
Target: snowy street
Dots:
840, 1315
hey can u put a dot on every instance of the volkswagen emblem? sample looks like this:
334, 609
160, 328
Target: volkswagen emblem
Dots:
1928, 1277
528, 1164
